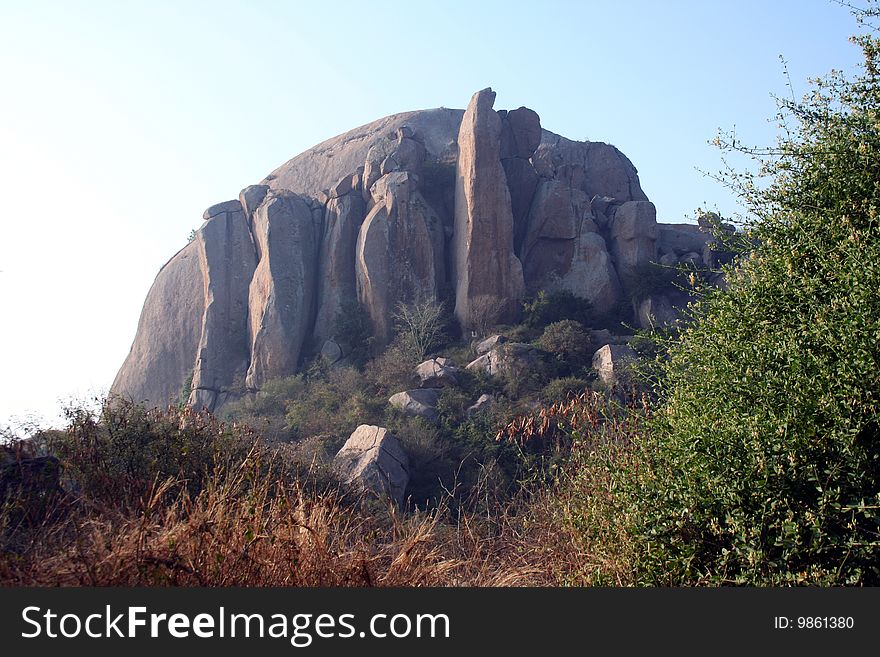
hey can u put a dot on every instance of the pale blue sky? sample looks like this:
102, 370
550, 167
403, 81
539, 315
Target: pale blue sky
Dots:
121, 121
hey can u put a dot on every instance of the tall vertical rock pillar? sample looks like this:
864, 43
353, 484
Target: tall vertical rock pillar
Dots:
488, 273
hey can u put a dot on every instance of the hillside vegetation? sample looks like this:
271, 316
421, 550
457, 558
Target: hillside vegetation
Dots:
747, 453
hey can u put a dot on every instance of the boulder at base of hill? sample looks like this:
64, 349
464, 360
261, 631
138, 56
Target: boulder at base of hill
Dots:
373, 461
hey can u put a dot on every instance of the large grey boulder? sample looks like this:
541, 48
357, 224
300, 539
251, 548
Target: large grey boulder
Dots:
228, 259
331, 352
681, 238
373, 461
163, 353
563, 249
437, 373
485, 264
283, 287
421, 402
591, 273
612, 362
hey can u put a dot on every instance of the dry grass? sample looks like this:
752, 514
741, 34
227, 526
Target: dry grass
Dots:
246, 526
240, 533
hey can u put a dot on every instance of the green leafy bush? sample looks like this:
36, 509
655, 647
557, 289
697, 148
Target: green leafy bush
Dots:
563, 388
762, 465
546, 309
569, 343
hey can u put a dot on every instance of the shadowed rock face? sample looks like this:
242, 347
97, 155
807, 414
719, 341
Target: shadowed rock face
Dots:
482, 203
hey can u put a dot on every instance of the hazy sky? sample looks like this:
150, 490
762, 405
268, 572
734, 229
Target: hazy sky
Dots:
121, 121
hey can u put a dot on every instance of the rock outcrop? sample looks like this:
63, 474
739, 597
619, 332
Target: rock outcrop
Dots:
511, 359
481, 204
437, 373
282, 291
162, 357
227, 256
395, 250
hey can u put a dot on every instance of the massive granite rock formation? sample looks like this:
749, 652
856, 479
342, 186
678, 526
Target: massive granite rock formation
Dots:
482, 206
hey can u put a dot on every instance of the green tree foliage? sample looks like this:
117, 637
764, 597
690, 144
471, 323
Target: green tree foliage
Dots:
762, 465
546, 308
569, 342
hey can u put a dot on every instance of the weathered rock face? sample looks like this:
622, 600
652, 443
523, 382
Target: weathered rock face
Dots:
373, 461
337, 286
485, 264
482, 203
633, 237
282, 291
227, 257
593, 167
395, 251
168, 334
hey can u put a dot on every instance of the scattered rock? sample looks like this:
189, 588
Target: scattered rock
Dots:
510, 359
487, 345
482, 404
373, 461
612, 361
421, 402
437, 373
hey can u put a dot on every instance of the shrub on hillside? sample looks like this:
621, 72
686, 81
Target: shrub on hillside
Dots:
568, 342
556, 306
762, 465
